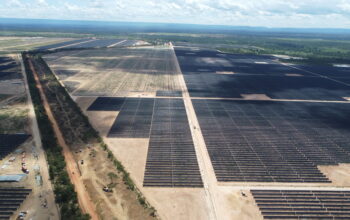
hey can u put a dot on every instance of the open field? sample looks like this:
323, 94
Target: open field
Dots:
244, 122
115, 72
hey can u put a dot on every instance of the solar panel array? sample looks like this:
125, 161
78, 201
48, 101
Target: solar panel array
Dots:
341, 74
9, 142
171, 159
9, 69
303, 204
277, 87
62, 44
96, 43
264, 141
88, 43
10, 200
169, 93
202, 68
107, 104
134, 119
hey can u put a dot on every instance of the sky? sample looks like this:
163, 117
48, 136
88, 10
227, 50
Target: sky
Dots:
268, 13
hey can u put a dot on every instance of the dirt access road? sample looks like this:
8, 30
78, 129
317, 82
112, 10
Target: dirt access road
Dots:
85, 202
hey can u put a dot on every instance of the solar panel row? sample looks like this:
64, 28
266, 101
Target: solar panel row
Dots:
89, 43
209, 73
303, 204
169, 93
134, 119
171, 159
96, 43
107, 104
8, 143
11, 199
264, 141
9, 69
62, 44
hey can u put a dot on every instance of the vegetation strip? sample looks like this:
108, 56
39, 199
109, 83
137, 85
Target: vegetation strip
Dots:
89, 134
65, 195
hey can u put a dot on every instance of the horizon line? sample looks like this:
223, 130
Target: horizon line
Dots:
170, 23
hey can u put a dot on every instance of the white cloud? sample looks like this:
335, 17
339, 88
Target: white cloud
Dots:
274, 13
42, 3
14, 3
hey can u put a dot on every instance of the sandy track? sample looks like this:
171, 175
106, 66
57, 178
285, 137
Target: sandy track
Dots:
83, 197
207, 171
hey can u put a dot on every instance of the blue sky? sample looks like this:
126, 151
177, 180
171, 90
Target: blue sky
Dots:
269, 13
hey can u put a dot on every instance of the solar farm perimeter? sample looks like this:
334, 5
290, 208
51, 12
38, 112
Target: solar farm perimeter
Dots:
209, 135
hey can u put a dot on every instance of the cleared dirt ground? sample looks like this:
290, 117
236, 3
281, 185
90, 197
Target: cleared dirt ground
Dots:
115, 71
339, 174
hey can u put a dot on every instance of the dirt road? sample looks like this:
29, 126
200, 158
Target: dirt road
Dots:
84, 200
207, 171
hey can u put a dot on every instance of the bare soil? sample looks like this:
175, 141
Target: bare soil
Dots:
255, 97
119, 204
225, 72
293, 74
339, 174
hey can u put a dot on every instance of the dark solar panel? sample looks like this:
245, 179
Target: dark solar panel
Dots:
303, 204
212, 74
264, 141
134, 119
107, 104
171, 159
11, 199
9, 142
169, 93
62, 44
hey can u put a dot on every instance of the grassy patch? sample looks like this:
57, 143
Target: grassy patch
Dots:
13, 119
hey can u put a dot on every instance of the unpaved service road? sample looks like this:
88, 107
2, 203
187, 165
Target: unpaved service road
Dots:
83, 197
